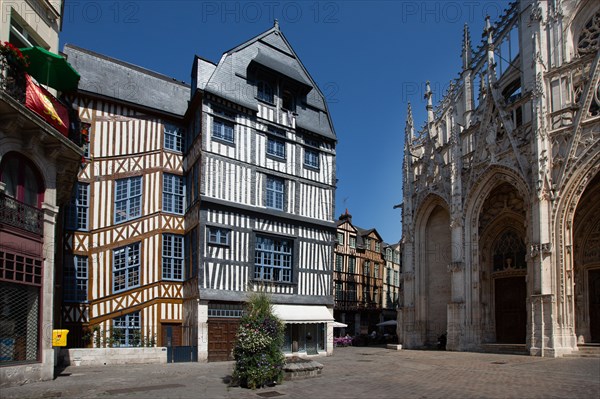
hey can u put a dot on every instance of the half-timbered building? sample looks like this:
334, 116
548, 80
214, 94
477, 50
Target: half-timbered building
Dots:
392, 288
124, 239
38, 166
358, 277
501, 214
267, 196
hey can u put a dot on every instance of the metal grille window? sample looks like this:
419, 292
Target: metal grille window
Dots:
273, 259
20, 268
276, 148
173, 193
128, 199
222, 130
76, 279
127, 330
173, 138
225, 310
275, 193
77, 212
19, 323
172, 257
218, 236
126, 267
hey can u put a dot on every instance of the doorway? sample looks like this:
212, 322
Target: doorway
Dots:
511, 315
594, 297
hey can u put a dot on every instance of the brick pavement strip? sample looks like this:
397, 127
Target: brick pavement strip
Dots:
352, 372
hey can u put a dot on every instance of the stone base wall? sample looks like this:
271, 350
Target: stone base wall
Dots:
110, 356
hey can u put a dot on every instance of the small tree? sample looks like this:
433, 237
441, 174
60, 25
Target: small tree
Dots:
258, 357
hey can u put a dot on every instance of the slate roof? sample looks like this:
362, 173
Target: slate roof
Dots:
271, 49
117, 79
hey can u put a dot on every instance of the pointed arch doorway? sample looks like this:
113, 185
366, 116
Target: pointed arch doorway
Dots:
510, 288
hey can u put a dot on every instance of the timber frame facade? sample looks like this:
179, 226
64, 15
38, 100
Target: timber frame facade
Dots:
359, 274
124, 232
265, 220
501, 216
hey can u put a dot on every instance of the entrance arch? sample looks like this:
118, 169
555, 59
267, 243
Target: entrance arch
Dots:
586, 243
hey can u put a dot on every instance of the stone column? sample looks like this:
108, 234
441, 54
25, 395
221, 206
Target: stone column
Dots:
50, 213
202, 331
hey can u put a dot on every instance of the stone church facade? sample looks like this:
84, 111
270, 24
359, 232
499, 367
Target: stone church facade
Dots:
501, 198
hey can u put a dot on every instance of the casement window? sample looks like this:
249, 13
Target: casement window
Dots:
173, 194
376, 270
275, 193
264, 92
127, 330
377, 246
352, 242
22, 180
173, 137
77, 211
339, 291
172, 257
223, 130
76, 279
275, 147
352, 265
351, 291
367, 243
311, 158
126, 267
339, 263
340, 238
367, 268
128, 199
217, 235
273, 259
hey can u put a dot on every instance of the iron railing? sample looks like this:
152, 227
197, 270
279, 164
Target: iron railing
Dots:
20, 215
13, 83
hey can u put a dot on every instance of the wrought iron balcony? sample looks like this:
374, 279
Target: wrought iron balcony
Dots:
20, 215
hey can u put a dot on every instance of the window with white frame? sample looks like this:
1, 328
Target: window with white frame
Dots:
217, 235
222, 130
377, 246
172, 257
173, 193
127, 330
128, 199
77, 212
311, 158
273, 259
275, 147
173, 137
76, 279
126, 267
274, 193
340, 238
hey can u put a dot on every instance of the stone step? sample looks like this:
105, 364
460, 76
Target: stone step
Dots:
508, 349
586, 350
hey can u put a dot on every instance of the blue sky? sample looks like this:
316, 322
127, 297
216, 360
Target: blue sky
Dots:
370, 58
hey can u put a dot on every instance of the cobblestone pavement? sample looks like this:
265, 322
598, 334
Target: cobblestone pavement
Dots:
353, 372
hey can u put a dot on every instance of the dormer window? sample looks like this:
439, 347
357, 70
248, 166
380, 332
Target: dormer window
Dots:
265, 91
287, 101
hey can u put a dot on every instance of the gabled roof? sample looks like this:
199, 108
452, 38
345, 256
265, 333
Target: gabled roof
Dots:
271, 50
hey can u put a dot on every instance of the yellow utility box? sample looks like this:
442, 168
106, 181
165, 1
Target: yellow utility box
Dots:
59, 337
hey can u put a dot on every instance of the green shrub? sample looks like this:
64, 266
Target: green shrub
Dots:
258, 357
